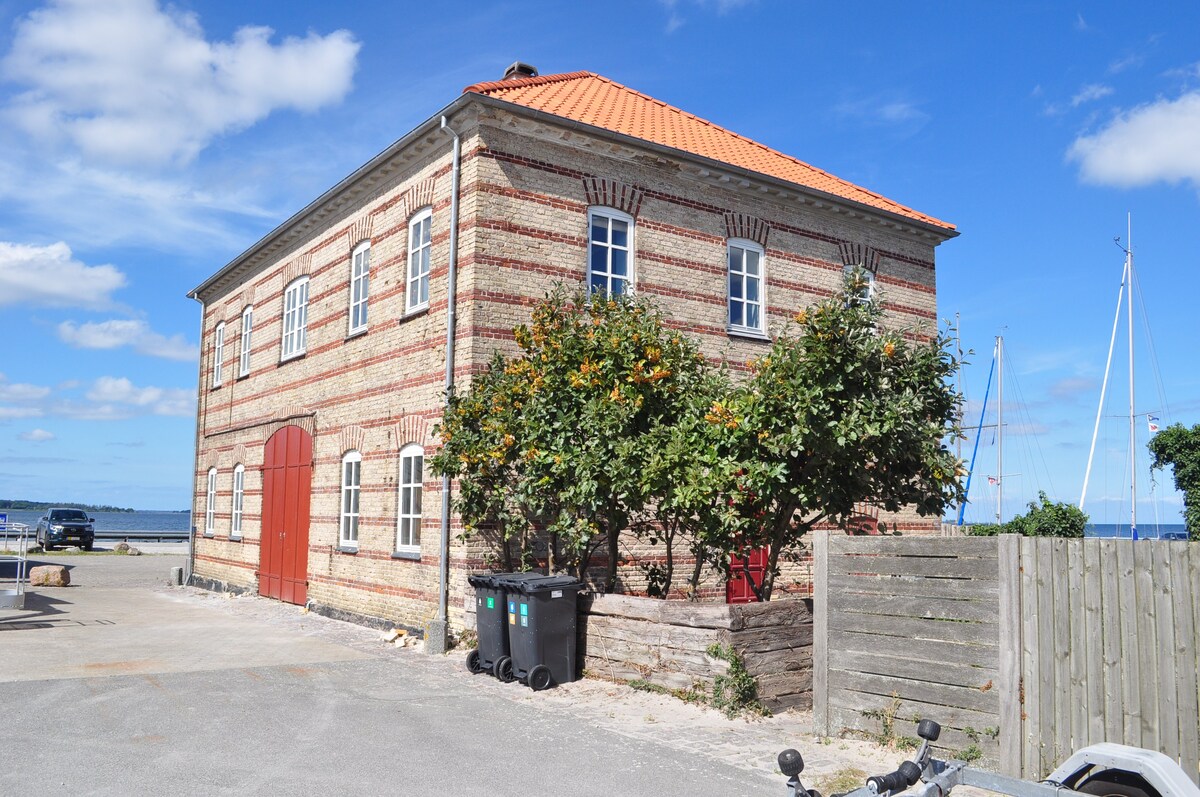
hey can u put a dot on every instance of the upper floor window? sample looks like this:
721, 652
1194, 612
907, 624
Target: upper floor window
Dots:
610, 252
412, 477
210, 503
747, 311
295, 319
419, 246
351, 485
360, 266
244, 350
868, 277
239, 492
218, 354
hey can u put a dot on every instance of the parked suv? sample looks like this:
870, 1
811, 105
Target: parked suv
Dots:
66, 527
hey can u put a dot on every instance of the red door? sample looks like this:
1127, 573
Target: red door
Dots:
738, 589
287, 487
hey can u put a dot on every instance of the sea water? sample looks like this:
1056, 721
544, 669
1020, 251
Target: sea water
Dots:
114, 521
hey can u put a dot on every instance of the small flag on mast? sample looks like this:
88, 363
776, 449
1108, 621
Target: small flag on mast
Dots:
993, 480
1152, 422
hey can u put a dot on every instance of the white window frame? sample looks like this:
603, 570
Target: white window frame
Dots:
609, 215
420, 258
239, 497
869, 293
210, 504
360, 272
351, 494
244, 347
218, 353
742, 275
409, 493
294, 340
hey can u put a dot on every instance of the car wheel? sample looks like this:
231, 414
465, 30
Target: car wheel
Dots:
87, 546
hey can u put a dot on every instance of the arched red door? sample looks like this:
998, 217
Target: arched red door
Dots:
287, 488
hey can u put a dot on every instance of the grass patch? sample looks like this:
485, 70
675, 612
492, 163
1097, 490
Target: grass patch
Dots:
844, 780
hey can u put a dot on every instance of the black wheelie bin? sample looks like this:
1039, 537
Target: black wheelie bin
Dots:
491, 623
541, 625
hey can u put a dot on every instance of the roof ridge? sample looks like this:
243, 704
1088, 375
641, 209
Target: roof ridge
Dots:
534, 80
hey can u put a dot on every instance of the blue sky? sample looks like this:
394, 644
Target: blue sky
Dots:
145, 145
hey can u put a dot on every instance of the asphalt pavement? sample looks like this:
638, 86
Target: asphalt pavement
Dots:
122, 685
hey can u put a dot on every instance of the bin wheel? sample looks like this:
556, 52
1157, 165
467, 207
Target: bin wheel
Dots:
539, 678
503, 669
473, 662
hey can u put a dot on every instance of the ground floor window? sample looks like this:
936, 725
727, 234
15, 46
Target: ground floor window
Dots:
412, 477
351, 485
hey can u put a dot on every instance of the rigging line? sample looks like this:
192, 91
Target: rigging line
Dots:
1162, 392
1030, 439
971, 472
1103, 388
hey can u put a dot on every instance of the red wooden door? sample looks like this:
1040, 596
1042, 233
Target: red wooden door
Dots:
287, 489
738, 589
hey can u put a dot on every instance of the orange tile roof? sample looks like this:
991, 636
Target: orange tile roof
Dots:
595, 100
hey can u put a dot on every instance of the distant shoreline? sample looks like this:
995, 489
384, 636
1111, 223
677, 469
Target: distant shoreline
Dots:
37, 506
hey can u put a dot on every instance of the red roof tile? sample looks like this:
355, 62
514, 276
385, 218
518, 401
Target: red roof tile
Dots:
595, 100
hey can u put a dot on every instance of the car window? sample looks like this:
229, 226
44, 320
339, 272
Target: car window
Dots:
68, 514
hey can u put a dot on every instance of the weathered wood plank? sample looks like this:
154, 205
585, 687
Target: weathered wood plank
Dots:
1131, 695
778, 613
914, 628
1047, 752
695, 615
847, 709
1062, 652
821, 717
763, 640
1110, 632
1092, 631
920, 691
915, 586
955, 547
981, 569
1167, 702
778, 661
928, 607
1187, 705
919, 670
1148, 647
1030, 672
940, 650
1079, 644
1008, 675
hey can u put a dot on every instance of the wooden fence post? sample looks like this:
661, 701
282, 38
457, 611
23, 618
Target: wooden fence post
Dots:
821, 726
1011, 736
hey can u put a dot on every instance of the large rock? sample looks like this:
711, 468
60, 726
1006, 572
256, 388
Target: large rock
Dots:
49, 576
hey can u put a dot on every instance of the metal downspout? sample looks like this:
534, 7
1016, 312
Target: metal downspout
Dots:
451, 320
201, 398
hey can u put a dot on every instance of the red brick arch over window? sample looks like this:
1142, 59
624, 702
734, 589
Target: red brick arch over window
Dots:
287, 491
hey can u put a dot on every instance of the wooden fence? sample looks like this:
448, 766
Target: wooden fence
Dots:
1026, 649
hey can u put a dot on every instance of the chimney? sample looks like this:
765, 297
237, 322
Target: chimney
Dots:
518, 70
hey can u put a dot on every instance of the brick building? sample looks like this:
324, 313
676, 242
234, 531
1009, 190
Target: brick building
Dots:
325, 346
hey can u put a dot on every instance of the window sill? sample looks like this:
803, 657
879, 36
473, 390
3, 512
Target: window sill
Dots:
356, 333
209, 534
412, 556
293, 357
414, 312
214, 388
240, 377
346, 550
235, 537
750, 334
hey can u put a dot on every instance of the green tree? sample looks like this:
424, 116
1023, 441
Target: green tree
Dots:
1045, 518
560, 435
840, 410
1179, 447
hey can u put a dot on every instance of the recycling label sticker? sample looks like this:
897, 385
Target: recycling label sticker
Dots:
525, 621
556, 593
491, 603
524, 609
512, 619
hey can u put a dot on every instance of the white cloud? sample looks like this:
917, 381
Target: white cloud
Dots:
37, 436
16, 391
137, 334
882, 111
1072, 387
108, 391
133, 83
1158, 141
676, 20
1090, 93
49, 275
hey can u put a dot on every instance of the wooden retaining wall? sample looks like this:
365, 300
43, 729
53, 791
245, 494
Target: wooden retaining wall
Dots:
1029, 648
665, 642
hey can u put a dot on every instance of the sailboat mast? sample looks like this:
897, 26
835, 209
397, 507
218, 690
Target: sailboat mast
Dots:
999, 427
1132, 431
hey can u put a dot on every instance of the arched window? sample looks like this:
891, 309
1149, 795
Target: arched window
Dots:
420, 245
412, 479
210, 503
239, 491
244, 349
218, 353
295, 319
747, 280
360, 267
610, 252
351, 485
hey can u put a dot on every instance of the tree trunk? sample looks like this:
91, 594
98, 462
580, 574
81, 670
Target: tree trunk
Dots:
614, 553
694, 582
